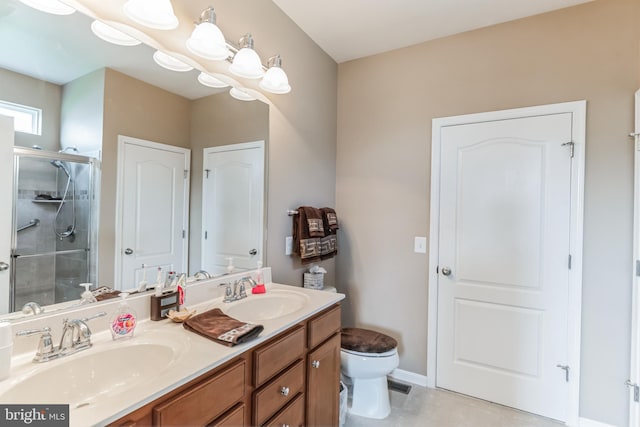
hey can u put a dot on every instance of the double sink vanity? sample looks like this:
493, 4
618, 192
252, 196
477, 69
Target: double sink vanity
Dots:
166, 375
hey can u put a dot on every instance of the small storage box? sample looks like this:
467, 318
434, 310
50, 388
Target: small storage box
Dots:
314, 280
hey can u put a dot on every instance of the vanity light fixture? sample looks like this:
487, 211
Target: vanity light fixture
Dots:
246, 62
275, 80
109, 34
240, 94
170, 63
207, 41
211, 81
156, 14
54, 7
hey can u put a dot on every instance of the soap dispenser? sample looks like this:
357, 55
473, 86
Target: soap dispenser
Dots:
123, 321
259, 288
87, 296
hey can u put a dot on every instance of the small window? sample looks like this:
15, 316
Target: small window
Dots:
26, 119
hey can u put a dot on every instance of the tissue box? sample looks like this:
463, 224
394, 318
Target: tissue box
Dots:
314, 280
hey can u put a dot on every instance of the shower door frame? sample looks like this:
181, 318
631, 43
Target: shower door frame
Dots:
94, 180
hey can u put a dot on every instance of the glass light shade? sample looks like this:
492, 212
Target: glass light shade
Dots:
111, 35
54, 7
157, 14
211, 81
170, 63
208, 42
240, 94
247, 64
275, 80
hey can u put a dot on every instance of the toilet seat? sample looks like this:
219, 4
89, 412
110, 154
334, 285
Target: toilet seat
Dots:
366, 341
364, 354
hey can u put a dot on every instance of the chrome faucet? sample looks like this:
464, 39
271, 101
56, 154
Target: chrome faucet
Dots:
202, 275
76, 336
32, 308
239, 290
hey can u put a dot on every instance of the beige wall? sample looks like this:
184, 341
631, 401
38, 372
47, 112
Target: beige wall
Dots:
385, 107
136, 109
25, 90
218, 120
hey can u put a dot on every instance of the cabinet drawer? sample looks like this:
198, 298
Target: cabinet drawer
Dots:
277, 355
235, 418
280, 391
292, 415
204, 402
323, 326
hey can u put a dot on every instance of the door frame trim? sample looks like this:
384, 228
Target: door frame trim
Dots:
578, 111
634, 369
122, 141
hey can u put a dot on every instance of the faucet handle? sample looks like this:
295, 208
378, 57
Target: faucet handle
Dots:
95, 316
45, 350
228, 292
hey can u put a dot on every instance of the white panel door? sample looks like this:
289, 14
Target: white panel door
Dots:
503, 269
232, 206
154, 210
6, 177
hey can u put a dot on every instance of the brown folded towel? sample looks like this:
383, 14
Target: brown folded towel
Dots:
308, 229
330, 220
329, 243
216, 325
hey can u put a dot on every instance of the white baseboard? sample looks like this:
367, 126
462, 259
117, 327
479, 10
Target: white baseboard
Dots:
410, 377
586, 422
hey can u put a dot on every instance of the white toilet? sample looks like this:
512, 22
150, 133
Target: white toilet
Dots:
367, 358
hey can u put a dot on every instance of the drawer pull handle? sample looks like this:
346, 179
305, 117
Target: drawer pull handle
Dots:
284, 391
315, 364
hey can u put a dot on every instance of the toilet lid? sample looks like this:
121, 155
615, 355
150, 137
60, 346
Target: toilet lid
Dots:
366, 341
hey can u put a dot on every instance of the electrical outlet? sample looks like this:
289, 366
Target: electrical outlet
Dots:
420, 245
288, 245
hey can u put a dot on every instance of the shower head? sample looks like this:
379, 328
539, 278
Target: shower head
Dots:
60, 165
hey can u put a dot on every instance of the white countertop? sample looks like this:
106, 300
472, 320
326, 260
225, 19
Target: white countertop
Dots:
195, 356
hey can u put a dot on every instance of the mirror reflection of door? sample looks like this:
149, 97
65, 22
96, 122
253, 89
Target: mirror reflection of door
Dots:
232, 206
153, 210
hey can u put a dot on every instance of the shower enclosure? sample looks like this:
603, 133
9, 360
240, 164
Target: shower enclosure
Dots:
55, 226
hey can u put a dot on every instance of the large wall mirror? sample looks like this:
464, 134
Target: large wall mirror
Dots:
91, 93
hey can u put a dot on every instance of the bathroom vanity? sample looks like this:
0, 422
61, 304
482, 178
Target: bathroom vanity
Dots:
166, 375
291, 379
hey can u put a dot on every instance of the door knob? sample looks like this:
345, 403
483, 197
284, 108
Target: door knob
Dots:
446, 271
253, 252
128, 251
4, 266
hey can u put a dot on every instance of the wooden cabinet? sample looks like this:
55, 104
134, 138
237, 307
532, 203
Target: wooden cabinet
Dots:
323, 370
204, 402
292, 379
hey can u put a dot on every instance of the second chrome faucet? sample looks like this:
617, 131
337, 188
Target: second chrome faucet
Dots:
76, 336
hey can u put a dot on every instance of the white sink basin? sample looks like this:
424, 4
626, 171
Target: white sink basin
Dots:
272, 305
84, 378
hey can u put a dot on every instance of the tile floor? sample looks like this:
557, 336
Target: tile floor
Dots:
425, 407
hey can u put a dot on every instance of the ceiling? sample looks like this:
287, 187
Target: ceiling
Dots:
64, 48
351, 29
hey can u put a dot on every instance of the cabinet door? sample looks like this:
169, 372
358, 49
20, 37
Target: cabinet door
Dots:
323, 384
